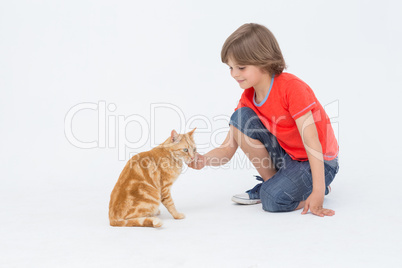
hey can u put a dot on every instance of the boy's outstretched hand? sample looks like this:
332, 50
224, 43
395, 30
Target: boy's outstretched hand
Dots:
314, 203
199, 162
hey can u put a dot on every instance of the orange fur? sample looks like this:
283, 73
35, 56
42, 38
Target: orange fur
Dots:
146, 180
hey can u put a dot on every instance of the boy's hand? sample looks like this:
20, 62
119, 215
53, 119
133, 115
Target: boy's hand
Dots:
314, 203
199, 162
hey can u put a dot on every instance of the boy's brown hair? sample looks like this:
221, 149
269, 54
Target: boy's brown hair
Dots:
254, 44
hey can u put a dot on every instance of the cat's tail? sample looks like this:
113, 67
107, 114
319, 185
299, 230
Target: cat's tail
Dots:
141, 222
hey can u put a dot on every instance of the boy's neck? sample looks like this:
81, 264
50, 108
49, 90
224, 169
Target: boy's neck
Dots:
262, 88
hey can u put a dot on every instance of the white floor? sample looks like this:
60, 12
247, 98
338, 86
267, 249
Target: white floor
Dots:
68, 227
131, 56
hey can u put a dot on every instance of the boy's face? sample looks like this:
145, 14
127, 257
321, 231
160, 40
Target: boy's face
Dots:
247, 75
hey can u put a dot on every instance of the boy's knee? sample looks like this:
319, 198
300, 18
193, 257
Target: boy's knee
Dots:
276, 201
269, 204
242, 117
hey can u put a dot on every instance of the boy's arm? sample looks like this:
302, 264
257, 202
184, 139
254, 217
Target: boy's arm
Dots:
309, 134
218, 156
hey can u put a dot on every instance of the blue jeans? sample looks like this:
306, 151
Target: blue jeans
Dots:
292, 182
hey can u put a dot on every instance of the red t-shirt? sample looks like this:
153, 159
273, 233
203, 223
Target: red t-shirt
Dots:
288, 99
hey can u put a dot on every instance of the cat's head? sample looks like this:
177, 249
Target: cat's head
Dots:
183, 145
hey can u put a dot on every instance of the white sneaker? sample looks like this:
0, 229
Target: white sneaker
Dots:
251, 196
245, 199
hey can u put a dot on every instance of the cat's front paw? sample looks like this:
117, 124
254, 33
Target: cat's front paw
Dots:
179, 216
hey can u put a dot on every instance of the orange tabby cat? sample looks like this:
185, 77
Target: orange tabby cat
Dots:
146, 180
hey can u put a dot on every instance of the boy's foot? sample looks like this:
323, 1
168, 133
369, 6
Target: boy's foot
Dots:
251, 196
328, 190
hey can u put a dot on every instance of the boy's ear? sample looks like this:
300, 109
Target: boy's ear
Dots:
192, 131
174, 136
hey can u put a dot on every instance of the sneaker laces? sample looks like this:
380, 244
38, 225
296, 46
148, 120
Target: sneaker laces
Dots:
255, 192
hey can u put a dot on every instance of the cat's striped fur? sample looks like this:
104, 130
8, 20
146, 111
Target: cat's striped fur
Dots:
146, 180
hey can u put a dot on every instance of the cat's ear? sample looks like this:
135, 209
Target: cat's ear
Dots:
174, 136
192, 132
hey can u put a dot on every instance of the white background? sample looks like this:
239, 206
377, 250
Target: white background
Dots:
54, 196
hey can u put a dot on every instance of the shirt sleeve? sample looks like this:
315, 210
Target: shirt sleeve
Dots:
300, 98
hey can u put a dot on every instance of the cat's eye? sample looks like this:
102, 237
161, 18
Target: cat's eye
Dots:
195, 150
185, 149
